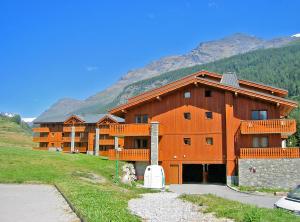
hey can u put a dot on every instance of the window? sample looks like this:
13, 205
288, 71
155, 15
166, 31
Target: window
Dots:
52, 144
208, 115
141, 118
187, 115
81, 135
259, 115
187, 141
187, 94
140, 143
260, 142
209, 141
207, 93
52, 134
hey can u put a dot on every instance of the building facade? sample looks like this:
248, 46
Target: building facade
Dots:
206, 122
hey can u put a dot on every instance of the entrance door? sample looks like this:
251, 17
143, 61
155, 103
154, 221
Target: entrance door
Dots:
174, 174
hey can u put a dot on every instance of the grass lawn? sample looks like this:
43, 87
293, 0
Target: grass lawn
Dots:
104, 201
261, 189
238, 211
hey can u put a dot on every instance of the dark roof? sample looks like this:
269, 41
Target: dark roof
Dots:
87, 118
230, 79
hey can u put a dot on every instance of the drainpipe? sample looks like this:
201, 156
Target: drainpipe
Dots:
154, 143
73, 139
97, 137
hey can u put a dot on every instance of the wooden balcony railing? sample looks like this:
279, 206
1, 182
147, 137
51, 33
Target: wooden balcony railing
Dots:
106, 142
103, 153
77, 129
267, 153
139, 129
40, 139
283, 126
130, 154
41, 130
77, 149
76, 139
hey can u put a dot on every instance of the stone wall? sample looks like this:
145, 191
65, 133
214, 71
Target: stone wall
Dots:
271, 173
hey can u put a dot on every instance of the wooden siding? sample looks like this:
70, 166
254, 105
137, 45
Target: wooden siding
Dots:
130, 154
267, 153
283, 126
77, 129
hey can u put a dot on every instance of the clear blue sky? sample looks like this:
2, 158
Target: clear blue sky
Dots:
68, 48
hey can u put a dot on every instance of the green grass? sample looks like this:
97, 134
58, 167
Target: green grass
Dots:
12, 134
238, 211
95, 202
261, 189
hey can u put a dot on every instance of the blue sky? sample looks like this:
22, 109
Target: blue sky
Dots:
54, 49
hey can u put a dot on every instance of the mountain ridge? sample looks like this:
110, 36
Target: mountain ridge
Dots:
204, 53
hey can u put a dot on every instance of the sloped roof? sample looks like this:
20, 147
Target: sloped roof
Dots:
87, 118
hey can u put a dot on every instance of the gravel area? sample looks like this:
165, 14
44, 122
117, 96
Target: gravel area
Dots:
166, 206
33, 203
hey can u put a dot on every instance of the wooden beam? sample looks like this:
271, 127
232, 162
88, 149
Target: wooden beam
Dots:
158, 98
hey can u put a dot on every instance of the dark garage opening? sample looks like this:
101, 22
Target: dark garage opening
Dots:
192, 173
216, 173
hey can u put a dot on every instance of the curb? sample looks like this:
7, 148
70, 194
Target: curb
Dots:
70, 205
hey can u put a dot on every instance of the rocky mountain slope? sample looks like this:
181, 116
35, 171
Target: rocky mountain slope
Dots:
204, 53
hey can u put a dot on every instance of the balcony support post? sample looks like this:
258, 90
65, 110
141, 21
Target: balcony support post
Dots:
97, 137
154, 143
73, 139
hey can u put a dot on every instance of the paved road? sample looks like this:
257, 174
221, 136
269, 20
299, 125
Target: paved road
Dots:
33, 203
225, 192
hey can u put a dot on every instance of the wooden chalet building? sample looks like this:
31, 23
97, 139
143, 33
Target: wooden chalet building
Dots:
197, 128
77, 133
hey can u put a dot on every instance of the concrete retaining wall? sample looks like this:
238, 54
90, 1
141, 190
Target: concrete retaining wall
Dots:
271, 173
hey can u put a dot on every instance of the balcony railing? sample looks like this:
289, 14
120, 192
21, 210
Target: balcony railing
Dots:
41, 130
103, 153
76, 139
283, 126
77, 129
106, 142
275, 152
130, 154
139, 129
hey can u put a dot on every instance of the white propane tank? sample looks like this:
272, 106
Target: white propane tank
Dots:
154, 177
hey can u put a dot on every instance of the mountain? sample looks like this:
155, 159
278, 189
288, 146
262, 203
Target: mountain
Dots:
204, 53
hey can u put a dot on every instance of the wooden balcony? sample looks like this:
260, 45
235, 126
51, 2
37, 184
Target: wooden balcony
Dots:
68, 129
107, 142
76, 139
130, 154
139, 129
103, 153
267, 153
284, 126
40, 139
77, 149
41, 130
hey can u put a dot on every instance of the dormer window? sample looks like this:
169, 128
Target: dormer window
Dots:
141, 118
187, 94
259, 115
